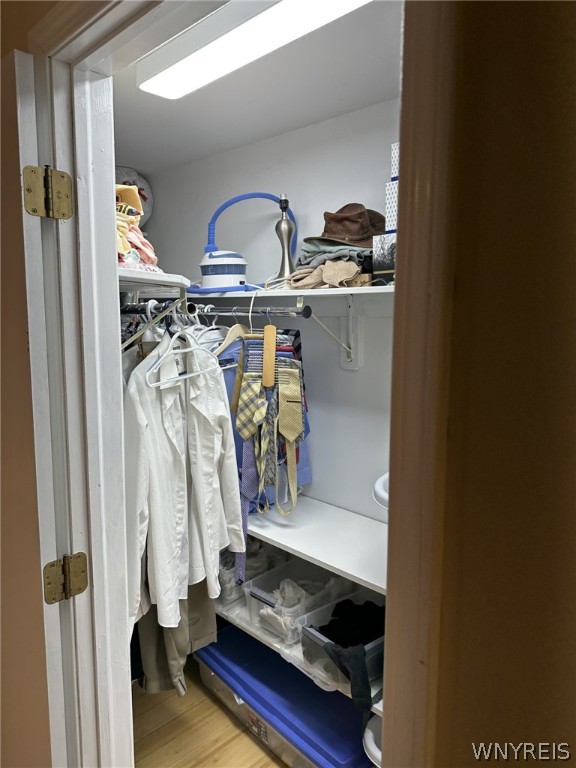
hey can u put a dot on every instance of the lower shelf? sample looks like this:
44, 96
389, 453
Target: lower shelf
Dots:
237, 614
341, 541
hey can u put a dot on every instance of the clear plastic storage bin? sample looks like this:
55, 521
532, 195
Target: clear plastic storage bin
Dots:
278, 598
260, 557
313, 641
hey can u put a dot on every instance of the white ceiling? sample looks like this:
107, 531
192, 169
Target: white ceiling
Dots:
350, 64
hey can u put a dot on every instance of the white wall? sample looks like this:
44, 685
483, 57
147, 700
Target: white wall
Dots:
349, 411
320, 167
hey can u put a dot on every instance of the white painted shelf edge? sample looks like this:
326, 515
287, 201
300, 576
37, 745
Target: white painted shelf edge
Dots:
367, 290
135, 279
341, 541
237, 614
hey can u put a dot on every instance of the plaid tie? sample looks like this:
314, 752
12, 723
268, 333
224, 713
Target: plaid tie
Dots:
251, 405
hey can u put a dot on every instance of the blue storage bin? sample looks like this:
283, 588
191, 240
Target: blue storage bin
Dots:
323, 726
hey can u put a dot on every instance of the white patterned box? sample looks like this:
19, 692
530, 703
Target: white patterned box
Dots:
395, 161
391, 210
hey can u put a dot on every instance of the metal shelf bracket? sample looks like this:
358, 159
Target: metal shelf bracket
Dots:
351, 353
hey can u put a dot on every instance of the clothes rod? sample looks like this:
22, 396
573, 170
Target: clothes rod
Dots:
305, 311
156, 308
211, 310
175, 306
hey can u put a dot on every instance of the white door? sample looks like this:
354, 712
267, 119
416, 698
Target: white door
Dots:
64, 113
72, 313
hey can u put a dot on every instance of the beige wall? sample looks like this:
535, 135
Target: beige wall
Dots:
25, 731
508, 635
18, 17
481, 639
502, 665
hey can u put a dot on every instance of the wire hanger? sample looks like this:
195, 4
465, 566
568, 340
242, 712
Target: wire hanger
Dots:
171, 351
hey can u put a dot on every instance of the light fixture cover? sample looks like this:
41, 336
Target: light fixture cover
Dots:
235, 35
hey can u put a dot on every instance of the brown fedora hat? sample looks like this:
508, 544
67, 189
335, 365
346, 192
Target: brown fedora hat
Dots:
353, 224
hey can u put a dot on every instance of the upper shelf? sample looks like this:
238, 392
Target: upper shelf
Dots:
366, 291
137, 280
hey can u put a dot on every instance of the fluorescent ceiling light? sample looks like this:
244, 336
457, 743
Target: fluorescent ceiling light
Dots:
169, 73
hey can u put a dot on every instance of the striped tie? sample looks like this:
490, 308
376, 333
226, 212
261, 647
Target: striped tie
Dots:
268, 448
248, 490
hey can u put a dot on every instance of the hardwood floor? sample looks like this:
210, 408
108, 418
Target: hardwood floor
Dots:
193, 730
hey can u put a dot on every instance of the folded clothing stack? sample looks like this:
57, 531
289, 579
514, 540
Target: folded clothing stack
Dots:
342, 252
353, 624
133, 249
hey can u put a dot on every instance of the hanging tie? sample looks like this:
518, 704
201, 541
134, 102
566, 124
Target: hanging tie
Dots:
251, 413
290, 424
248, 490
268, 455
251, 405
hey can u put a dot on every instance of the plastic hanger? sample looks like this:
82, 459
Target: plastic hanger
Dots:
215, 333
176, 324
171, 351
237, 331
269, 354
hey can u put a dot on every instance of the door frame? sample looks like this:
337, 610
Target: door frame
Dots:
90, 43
80, 492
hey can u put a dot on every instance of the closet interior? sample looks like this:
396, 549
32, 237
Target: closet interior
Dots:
316, 121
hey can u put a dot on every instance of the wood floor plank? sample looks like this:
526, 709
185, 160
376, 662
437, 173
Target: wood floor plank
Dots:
242, 751
193, 731
168, 708
194, 725
143, 701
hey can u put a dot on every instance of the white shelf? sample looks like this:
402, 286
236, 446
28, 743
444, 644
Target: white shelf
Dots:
336, 539
138, 280
368, 290
237, 614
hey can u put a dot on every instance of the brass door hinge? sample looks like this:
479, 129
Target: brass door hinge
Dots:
47, 192
65, 578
